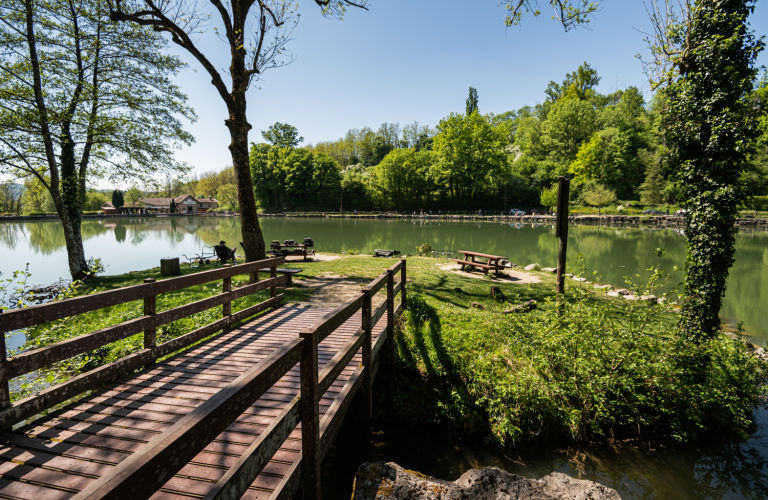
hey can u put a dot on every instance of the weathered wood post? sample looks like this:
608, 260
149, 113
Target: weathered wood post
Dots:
367, 362
5, 392
226, 308
150, 309
402, 280
391, 314
273, 288
561, 230
310, 417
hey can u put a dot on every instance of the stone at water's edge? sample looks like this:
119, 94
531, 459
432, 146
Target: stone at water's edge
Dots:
389, 481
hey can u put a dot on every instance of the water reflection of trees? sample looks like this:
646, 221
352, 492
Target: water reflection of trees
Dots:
11, 234
612, 252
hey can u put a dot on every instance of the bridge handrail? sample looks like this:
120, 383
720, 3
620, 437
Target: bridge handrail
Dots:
45, 313
316, 435
40, 358
143, 473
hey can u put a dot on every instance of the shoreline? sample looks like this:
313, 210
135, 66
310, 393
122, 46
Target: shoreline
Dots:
655, 220
610, 220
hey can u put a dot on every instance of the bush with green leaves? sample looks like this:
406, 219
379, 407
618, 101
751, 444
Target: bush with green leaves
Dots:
582, 368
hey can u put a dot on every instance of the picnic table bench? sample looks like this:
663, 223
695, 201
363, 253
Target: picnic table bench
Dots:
491, 264
287, 272
302, 249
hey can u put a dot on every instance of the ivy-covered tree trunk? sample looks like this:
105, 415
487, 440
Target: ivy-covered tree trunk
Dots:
69, 204
709, 131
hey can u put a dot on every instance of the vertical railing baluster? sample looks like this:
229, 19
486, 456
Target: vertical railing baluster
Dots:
310, 417
273, 288
150, 309
5, 392
391, 314
226, 308
254, 277
402, 285
367, 361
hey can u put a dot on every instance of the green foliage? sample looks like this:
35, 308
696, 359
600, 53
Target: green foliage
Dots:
424, 249
406, 178
228, 197
652, 190
470, 155
597, 369
117, 198
549, 196
36, 198
711, 129
472, 101
282, 135
134, 195
94, 200
82, 98
569, 123
599, 196
174, 208
292, 177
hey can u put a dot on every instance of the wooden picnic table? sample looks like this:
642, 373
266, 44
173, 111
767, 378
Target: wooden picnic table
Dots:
302, 248
492, 261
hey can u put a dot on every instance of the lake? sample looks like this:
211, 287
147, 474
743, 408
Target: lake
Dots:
664, 471
129, 244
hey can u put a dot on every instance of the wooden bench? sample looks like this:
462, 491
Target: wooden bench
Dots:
492, 263
288, 274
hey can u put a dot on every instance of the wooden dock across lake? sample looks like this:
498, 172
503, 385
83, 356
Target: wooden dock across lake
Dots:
235, 416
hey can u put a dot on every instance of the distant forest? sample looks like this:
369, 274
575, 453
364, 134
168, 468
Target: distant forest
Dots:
487, 161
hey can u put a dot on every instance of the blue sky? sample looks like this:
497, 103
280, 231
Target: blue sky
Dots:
406, 60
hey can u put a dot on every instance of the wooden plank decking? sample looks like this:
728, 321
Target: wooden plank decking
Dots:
62, 453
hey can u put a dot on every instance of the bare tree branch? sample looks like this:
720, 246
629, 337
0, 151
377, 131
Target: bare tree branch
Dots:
570, 13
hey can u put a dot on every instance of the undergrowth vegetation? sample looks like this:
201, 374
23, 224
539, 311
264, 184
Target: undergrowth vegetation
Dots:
576, 369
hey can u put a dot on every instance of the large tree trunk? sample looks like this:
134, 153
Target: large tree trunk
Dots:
253, 240
69, 205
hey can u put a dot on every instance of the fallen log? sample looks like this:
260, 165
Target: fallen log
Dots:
525, 307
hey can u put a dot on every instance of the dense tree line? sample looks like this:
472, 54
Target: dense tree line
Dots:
611, 145
474, 161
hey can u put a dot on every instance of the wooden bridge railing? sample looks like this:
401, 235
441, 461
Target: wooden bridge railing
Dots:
46, 356
144, 472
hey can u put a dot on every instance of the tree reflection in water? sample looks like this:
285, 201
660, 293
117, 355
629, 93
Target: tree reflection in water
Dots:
614, 252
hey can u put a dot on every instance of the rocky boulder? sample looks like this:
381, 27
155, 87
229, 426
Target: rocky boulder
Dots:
389, 481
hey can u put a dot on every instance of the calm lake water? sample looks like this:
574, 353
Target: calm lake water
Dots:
710, 471
129, 244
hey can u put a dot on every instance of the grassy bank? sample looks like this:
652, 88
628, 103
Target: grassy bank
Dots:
601, 368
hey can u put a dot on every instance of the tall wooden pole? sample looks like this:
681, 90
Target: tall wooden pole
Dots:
561, 230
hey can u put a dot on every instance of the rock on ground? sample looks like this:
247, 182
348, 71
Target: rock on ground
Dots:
389, 481
531, 267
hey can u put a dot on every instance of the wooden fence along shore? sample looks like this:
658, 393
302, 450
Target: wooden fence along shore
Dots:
247, 413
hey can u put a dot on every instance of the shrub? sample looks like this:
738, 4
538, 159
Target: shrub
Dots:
580, 369
424, 249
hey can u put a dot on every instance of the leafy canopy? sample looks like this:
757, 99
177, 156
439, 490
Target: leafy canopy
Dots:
282, 135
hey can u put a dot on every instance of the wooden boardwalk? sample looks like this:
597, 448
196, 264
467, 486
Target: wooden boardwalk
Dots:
87, 444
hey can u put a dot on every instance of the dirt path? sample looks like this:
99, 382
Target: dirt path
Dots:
332, 290
506, 276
